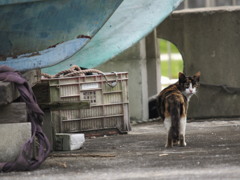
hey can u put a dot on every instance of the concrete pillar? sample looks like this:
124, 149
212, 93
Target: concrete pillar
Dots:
153, 64
208, 40
133, 61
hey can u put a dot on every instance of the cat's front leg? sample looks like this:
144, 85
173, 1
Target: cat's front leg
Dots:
182, 141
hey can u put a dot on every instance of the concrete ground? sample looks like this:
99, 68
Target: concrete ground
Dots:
212, 152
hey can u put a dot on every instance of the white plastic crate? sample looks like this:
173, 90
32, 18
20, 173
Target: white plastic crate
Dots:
109, 106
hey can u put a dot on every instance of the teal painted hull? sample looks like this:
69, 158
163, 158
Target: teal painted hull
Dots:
40, 33
131, 22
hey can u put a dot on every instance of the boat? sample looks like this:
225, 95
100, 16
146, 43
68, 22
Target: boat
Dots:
131, 22
38, 33
56, 34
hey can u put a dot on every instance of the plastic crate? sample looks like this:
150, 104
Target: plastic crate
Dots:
109, 106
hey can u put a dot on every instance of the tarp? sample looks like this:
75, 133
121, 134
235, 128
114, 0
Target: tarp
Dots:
25, 160
131, 22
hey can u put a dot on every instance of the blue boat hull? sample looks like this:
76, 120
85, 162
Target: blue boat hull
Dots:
31, 28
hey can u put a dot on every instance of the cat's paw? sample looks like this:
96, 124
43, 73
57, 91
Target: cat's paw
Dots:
183, 144
168, 146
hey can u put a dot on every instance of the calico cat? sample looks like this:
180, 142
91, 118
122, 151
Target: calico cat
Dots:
172, 107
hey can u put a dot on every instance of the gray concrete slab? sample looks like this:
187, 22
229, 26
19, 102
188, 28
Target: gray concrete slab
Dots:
13, 136
212, 152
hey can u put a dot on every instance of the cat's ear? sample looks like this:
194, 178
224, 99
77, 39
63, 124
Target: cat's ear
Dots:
181, 77
197, 76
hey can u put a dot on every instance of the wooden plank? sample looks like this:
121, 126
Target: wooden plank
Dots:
8, 91
32, 77
65, 105
13, 113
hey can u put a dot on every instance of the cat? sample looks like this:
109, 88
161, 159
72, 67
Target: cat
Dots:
172, 107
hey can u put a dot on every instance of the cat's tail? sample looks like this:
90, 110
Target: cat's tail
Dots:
174, 110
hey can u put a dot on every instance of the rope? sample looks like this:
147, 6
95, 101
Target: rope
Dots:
77, 71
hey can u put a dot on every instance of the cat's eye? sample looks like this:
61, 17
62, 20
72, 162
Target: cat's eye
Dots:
195, 84
187, 85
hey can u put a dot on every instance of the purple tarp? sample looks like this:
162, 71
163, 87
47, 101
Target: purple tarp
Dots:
25, 160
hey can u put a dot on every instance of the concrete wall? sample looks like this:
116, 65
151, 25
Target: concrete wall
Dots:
133, 61
209, 41
142, 63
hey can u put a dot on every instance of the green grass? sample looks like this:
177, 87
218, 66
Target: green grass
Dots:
163, 47
176, 67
